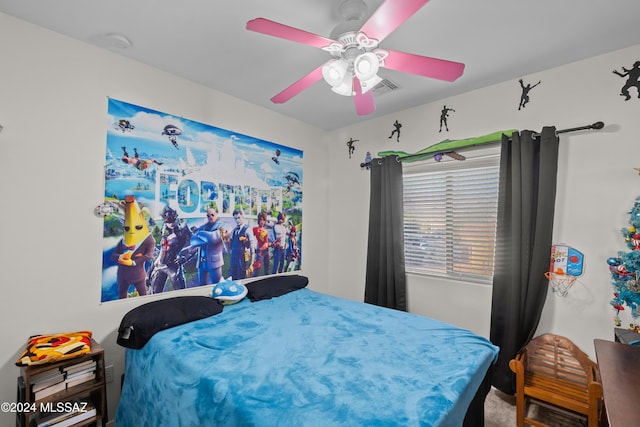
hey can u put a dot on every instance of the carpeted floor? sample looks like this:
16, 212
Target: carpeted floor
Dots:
500, 411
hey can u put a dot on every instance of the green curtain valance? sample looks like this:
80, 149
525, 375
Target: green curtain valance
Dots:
447, 146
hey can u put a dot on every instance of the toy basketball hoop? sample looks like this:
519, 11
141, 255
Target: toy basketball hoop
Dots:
565, 267
560, 282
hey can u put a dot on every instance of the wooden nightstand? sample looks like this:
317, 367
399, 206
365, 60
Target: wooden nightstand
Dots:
78, 386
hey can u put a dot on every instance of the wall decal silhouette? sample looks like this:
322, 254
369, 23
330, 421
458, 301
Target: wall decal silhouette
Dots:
350, 146
397, 125
633, 80
524, 98
444, 115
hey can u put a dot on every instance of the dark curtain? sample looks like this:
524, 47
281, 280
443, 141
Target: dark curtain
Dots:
385, 280
526, 203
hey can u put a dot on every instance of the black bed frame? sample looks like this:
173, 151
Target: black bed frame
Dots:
475, 412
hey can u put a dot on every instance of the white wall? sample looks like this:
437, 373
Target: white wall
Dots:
596, 186
53, 106
53, 99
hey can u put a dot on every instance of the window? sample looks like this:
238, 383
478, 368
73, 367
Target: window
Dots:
450, 211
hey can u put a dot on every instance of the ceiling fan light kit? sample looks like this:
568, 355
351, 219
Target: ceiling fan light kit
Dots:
366, 65
334, 71
366, 68
354, 59
357, 59
343, 85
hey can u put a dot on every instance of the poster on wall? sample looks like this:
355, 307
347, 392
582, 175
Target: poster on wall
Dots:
188, 204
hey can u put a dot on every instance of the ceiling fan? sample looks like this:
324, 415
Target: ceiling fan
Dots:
353, 71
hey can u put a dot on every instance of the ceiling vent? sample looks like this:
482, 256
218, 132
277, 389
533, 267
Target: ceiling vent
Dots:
385, 86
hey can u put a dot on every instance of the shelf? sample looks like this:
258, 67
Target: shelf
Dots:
93, 389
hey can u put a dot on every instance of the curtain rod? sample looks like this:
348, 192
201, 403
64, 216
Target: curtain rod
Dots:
596, 125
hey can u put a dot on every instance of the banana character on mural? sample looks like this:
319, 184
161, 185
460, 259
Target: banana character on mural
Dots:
134, 249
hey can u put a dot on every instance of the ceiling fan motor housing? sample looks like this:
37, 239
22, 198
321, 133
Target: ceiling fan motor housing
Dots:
352, 10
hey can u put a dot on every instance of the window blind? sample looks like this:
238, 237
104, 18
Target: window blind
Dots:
450, 212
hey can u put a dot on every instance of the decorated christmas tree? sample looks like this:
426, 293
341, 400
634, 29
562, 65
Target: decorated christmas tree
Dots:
625, 268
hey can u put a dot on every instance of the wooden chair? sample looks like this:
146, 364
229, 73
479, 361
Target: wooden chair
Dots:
553, 370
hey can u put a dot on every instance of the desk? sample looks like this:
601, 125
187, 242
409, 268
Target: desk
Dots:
620, 374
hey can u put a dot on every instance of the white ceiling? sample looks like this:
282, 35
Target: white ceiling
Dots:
205, 41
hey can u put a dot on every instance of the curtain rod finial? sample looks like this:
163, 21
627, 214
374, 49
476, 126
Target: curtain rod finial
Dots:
597, 125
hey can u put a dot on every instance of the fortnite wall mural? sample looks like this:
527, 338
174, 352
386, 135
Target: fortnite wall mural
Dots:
188, 204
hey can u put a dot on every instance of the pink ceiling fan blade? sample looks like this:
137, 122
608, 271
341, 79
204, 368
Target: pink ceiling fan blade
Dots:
423, 65
298, 86
363, 101
389, 16
272, 28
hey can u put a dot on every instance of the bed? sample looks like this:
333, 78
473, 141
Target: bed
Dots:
306, 359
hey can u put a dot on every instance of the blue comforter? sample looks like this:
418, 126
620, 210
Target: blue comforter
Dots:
304, 359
